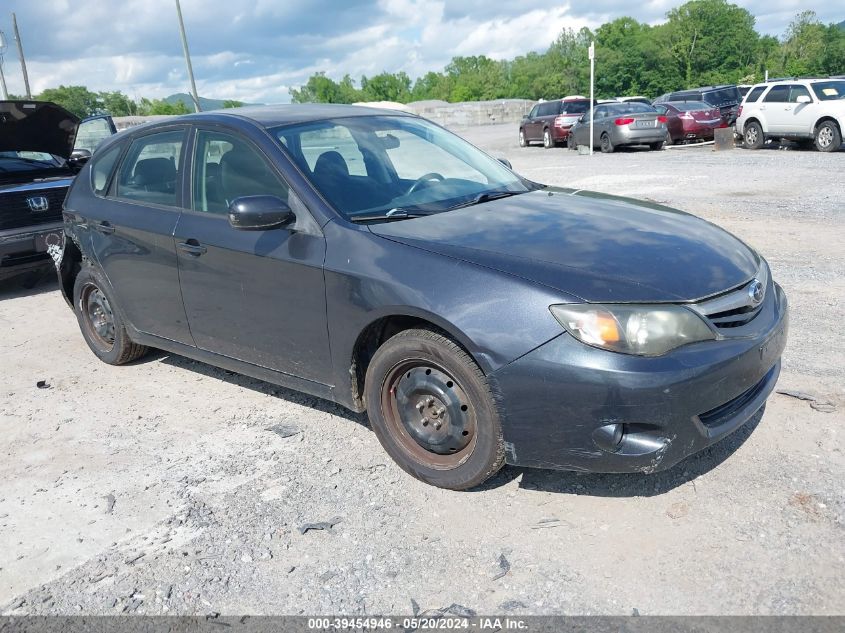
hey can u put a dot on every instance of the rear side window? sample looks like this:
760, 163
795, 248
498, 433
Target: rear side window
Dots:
150, 171
755, 94
778, 94
102, 167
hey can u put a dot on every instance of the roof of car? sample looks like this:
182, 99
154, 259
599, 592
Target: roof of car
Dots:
274, 115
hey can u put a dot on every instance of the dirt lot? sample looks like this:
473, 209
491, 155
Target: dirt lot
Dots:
170, 486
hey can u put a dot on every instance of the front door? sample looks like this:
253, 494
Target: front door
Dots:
256, 296
131, 229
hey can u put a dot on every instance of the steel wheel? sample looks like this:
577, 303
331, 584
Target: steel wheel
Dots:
429, 414
98, 316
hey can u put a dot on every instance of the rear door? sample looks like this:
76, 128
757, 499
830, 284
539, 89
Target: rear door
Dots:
256, 296
132, 233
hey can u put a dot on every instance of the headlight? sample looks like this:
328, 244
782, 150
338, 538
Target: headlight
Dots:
644, 330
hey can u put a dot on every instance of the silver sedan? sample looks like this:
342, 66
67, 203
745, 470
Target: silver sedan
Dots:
616, 125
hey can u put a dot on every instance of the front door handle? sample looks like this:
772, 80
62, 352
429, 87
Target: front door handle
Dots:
192, 247
104, 227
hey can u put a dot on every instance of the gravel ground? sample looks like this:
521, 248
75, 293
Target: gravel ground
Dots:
169, 486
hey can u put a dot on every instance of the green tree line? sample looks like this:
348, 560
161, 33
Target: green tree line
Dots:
702, 42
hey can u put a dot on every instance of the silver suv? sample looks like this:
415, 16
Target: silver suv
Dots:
809, 111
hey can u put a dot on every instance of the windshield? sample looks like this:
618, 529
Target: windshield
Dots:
829, 90
394, 165
575, 107
632, 107
726, 96
692, 106
17, 162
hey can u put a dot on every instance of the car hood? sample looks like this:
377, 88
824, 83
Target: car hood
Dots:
37, 126
596, 247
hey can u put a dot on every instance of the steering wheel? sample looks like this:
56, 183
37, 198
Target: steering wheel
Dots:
432, 175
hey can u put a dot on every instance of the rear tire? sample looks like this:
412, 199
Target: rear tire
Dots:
656, 146
431, 408
606, 143
753, 137
828, 137
548, 143
100, 320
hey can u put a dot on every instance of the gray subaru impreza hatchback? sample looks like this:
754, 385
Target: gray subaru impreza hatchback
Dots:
381, 262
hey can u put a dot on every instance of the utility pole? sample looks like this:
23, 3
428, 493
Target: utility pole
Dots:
592, 55
194, 95
20, 54
5, 93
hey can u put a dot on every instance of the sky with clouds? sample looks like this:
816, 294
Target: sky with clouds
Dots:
255, 50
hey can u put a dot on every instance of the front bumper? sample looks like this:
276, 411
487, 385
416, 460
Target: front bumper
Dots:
26, 248
559, 400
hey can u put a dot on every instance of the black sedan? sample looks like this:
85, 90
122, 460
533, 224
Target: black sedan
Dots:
379, 261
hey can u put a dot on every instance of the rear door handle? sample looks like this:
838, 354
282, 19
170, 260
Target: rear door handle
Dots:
192, 247
104, 227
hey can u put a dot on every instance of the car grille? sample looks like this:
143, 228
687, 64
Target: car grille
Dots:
735, 308
15, 212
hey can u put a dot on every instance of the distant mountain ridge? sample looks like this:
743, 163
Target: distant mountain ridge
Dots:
205, 103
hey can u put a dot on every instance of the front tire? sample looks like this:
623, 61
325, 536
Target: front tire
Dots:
431, 408
828, 137
522, 141
100, 320
753, 137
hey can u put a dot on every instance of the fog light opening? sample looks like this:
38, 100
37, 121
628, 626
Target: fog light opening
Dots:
609, 437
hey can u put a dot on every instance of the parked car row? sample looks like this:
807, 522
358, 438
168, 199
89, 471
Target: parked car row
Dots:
808, 111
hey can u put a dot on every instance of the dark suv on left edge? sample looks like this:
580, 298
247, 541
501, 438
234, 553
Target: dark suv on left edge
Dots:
42, 146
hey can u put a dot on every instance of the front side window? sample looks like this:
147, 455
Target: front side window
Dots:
150, 171
366, 166
778, 94
798, 91
227, 167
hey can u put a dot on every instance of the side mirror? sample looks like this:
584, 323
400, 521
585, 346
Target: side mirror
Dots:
506, 163
525, 117
78, 159
259, 213
804, 99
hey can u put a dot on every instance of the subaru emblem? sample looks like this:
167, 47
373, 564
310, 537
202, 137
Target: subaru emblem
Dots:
756, 292
38, 203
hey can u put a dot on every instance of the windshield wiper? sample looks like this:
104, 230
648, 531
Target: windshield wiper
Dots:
487, 196
397, 213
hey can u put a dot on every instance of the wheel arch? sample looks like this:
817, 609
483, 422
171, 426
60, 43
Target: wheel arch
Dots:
69, 268
824, 119
757, 120
383, 327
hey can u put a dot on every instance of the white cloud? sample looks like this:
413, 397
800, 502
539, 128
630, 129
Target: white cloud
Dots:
254, 50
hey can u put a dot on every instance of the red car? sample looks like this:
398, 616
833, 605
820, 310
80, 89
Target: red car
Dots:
690, 120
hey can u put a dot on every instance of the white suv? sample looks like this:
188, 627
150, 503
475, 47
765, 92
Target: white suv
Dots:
810, 111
